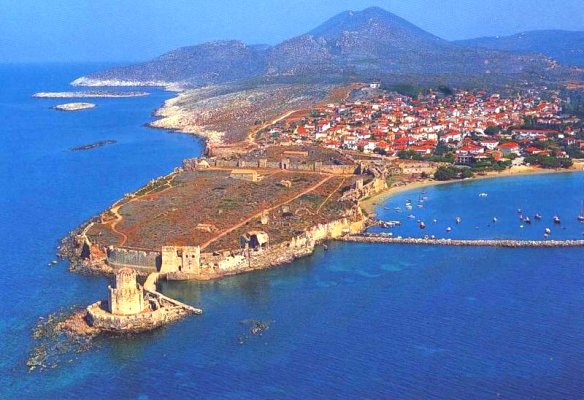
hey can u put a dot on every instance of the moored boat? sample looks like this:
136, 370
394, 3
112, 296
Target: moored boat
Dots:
538, 216
527, 220
556, 219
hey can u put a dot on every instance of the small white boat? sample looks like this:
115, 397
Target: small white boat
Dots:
411, 216
422, 225
556, 219
548, 231
495, 219
458, 220
483, 194
448, 229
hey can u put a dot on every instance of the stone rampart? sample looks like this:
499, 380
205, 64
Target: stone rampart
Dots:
142, 260
213, 266
99, 318
191, 164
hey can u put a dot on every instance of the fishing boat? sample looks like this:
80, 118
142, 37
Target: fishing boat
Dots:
556, 219
581, 215
527, 220
458, 220
422, 225
538, 216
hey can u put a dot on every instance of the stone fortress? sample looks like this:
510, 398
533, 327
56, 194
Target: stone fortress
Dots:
132, 308
366, 176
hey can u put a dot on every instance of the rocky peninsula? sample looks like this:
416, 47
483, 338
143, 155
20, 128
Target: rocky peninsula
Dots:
89, 94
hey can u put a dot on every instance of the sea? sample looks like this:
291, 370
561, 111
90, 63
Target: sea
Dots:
354, 321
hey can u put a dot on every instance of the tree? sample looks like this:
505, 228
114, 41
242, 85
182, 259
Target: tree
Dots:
492, 130
444, 173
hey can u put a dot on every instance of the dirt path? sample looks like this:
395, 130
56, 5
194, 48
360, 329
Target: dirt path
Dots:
253, 132
258, 215
118, 217
115, 210
330, 195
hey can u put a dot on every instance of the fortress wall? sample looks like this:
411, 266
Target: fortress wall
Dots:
141, 260
338, 169
370, 189
299, 246
190, 164
101, 319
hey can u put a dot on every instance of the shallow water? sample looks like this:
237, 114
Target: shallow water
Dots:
359, 320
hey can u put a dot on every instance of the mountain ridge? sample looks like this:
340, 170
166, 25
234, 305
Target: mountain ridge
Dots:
353, 45
565, 46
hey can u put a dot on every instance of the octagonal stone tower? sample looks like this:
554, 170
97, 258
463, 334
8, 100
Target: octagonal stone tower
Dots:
126, 297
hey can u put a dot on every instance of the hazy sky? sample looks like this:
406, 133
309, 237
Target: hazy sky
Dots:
128, 30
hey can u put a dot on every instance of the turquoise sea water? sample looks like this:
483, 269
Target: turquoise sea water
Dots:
357, 321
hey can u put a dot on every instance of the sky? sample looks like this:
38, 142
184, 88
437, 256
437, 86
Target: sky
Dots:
135, 30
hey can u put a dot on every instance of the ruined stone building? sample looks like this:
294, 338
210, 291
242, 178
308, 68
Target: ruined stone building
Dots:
185, 259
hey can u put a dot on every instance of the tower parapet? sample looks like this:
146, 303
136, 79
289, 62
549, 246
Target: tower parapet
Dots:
126, 297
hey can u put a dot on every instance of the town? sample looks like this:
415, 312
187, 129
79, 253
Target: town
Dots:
472, 129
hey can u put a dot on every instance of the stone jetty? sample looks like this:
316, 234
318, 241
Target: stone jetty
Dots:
382, 238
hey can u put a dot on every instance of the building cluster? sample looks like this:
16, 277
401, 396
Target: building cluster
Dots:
472, 125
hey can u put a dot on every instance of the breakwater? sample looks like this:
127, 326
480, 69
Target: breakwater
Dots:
382, 238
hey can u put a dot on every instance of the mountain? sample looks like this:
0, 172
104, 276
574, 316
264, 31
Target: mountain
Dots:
217, 61
367, 44
567, 47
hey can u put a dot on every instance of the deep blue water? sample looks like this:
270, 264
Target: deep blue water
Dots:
357, 321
